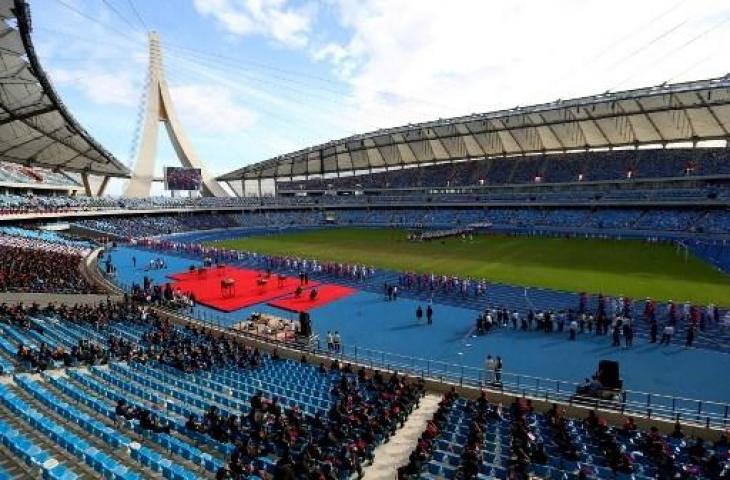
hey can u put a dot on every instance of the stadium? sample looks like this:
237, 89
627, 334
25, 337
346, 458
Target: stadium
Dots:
540, 291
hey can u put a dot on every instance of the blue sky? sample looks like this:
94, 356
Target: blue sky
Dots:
256, 78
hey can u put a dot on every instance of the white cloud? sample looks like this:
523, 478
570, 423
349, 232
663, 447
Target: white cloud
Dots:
411, 61
275, 19
101, 87
339, 56
211, 109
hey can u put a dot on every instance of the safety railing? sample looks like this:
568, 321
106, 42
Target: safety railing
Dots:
629, 402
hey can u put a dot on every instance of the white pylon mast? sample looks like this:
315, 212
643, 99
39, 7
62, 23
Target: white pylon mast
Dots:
159, 108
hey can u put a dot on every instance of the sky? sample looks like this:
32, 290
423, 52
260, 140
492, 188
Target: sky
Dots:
252, 79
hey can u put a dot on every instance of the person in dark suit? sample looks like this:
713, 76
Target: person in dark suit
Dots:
628, 334
690, 336
653, 330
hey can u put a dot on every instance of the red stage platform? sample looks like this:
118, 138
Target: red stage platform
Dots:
326, 293
207, 287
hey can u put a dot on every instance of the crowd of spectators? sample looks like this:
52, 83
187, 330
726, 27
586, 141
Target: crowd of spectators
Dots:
576, 220
15, 173
366, 410
553, 445
128, 227
190, 349
513, 196
187, 349
29, 264
88, 351
670, 456
554, 168
519, 173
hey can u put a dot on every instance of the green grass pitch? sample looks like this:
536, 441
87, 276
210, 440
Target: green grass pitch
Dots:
613, 267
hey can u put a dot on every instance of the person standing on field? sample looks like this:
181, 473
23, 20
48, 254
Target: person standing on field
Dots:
628, 334
573, 327
337, 342
498, 370
667, 334
690, 336
489, 366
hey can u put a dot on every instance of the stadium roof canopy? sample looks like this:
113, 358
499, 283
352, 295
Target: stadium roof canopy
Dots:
35, 126
661, 115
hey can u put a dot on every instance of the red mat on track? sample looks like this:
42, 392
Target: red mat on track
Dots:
207, 287
325, 294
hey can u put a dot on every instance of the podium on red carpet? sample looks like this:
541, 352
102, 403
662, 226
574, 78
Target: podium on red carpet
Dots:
228, 287
209, 291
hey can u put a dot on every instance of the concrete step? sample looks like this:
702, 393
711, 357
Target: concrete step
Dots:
393, 454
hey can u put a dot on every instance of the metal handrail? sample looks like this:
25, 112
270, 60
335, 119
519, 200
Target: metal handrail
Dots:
711, 414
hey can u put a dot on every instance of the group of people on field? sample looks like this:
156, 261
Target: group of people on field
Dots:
614, 316
443, 284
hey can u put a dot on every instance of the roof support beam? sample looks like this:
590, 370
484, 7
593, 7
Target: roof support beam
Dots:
13, 75
235, 194
19, 117
578, 125
21, 144
408, 144
75, 157
40, 152
102, 186
27, 121
650, 120
530, 129
686, 116
87, 184
474, 137
443, 145
512, 136
552, 131
712, 113
634, 138
598, 127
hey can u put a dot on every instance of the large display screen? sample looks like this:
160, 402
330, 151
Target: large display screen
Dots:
180, 178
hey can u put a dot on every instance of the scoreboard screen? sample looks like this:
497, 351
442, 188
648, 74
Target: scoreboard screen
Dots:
180, 178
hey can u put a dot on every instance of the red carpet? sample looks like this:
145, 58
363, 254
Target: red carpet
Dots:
207, 287
326, 293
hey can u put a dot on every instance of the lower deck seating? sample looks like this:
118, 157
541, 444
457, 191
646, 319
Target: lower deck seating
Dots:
474, 439
65, 423
74, 411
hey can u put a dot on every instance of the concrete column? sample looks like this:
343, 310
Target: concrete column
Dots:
159, 108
